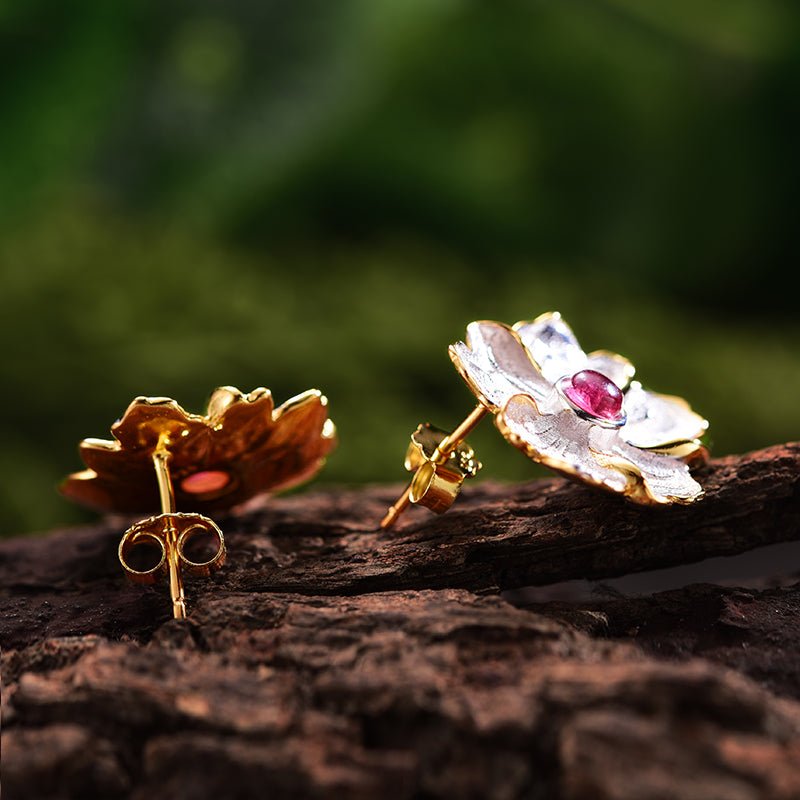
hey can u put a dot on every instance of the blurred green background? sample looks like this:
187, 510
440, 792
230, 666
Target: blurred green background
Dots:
310, 193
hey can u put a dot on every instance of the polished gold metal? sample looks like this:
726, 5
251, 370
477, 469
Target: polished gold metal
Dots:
242, 447
170, 532
440, 462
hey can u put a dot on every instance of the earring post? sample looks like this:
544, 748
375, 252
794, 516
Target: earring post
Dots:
453, 439
397, 508
440, 455
161, 463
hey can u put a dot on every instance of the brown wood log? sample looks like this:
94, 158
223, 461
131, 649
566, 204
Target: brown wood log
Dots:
328, 659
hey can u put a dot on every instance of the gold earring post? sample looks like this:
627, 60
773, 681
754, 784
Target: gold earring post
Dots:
443, 451
165, 490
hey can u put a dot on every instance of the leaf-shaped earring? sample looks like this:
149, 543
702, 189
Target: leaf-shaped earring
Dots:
580, 414
163, 456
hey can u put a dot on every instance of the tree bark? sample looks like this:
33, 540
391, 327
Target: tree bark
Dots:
329, 659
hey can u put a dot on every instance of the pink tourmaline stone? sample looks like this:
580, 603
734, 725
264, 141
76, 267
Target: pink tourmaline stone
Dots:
211, 480
595, 394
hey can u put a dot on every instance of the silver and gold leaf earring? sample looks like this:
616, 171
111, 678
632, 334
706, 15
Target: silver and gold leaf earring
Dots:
580, 414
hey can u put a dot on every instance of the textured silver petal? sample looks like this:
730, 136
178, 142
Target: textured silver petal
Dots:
496, 366
665, 479
560, 441
615, 367
552, 345
655, 420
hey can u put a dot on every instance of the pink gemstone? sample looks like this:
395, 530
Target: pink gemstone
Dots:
595, 394
211, 480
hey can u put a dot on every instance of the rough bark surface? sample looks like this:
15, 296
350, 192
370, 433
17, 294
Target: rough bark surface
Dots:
328, 659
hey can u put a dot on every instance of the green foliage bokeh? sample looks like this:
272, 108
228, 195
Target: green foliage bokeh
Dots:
324, 194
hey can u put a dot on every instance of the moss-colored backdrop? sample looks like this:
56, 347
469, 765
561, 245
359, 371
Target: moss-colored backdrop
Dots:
323, 194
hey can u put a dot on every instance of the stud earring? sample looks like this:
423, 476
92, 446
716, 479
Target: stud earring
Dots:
581, 415
161, 455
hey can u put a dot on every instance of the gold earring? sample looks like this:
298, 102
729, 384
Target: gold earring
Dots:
242, 447
580, 414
